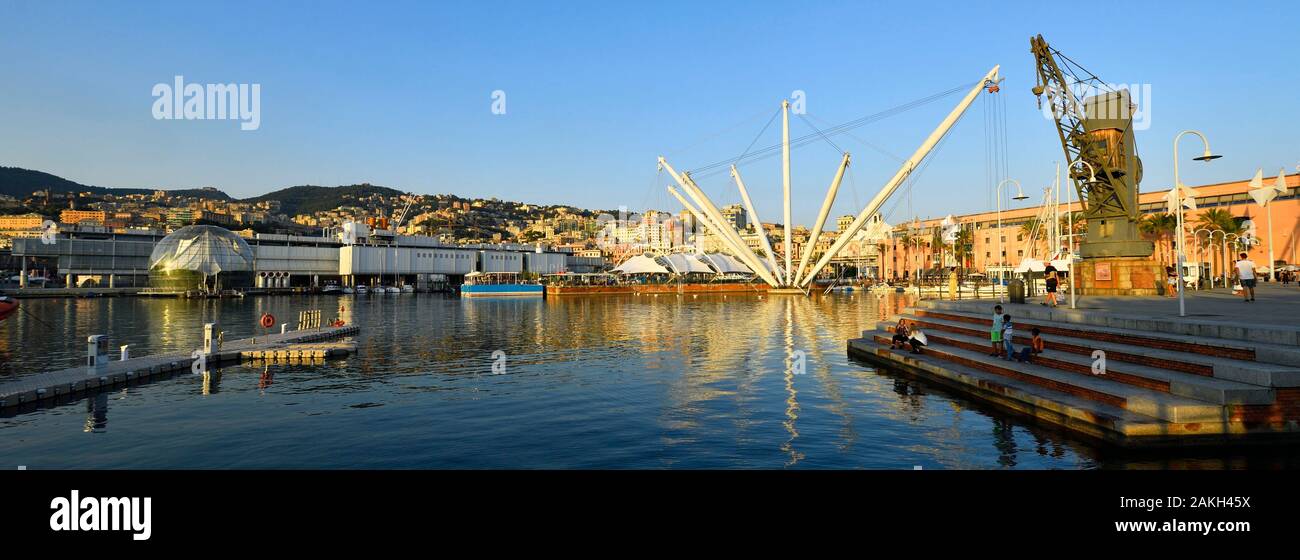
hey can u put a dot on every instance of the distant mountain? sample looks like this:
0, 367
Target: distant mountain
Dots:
306, 199
19, 183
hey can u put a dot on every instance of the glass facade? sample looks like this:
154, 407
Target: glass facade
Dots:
204, 258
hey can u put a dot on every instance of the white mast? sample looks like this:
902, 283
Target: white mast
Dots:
728, 235
758, 224
708, 222
785, 179
903, 171
821, 218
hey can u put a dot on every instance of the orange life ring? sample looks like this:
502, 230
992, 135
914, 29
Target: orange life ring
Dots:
268, 320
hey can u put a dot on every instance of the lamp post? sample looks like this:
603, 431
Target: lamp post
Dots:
1177, 194
1092, 177
1002, 263
1226, 254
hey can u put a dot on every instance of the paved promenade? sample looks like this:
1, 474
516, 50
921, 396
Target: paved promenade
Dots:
1275, 305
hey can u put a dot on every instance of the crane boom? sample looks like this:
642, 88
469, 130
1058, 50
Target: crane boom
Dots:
1097, 130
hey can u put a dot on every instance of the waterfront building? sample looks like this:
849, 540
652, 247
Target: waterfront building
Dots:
914, 246
204, 258
78, 216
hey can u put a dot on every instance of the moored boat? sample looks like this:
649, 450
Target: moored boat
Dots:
495, 284
8, 306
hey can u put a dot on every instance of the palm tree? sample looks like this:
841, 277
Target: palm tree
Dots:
1218, 218
1075, 218
1160, 227
961, 247
1027, 230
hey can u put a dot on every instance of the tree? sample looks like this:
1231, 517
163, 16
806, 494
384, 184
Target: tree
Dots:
962, 248
1218, 218
1031, 236
1160, 227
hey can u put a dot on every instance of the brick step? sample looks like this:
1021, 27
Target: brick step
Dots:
1230, 349
1076, 413
1242, 371
1147, 402
1278, 344
1209, 389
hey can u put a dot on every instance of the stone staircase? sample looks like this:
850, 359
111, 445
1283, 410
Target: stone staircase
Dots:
1160, 385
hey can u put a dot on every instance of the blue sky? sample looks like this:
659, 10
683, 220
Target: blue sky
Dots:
399, 94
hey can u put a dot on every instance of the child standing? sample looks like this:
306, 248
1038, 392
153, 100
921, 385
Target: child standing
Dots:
1007, 333
995, 332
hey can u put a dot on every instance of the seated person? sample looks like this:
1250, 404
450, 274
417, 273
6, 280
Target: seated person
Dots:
1035, 347
901, 335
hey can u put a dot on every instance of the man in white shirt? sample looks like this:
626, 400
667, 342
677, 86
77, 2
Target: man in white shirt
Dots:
1246, 272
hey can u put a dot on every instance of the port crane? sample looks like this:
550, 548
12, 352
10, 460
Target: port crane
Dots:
401, 216
1098, 130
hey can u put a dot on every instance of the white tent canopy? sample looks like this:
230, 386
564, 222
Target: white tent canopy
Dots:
683, 264
641, 264
725, 264
1035, 265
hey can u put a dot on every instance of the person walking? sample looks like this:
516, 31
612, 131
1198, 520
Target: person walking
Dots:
1246, 272
1049, 273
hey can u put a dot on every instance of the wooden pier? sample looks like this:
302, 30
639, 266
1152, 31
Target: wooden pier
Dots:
304, 344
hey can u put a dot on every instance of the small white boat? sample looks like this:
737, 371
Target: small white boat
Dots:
331, 288
347, 290
361, 290
393, 290
408, 289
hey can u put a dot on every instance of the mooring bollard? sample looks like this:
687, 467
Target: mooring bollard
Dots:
96, 350
284, 328
210, 343
126, 352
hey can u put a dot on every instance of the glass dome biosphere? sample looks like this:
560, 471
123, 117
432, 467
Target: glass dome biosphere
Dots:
204, 258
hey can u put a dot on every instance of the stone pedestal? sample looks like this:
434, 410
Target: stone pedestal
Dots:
1118, 276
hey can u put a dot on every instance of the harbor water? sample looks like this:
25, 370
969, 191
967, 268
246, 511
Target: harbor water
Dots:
738, 381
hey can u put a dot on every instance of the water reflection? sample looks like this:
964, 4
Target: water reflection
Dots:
614, 381
97, 413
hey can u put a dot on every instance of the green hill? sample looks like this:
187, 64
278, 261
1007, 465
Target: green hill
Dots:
20, 183
305, 199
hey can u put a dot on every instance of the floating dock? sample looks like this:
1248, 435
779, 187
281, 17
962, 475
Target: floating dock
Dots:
301, 344
1159, 381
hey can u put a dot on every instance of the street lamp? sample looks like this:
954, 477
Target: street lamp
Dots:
1176, 200
1226, 254
1209, 235
1002, 263
1092, 178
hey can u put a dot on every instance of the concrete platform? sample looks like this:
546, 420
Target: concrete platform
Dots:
67, 382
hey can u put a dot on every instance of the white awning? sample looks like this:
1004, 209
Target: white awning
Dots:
724, 263
683, 264
1035, 265
640, 264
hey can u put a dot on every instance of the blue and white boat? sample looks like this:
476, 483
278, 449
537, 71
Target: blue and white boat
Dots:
497, 284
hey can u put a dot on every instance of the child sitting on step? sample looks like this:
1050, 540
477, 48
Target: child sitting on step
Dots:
1035, 347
